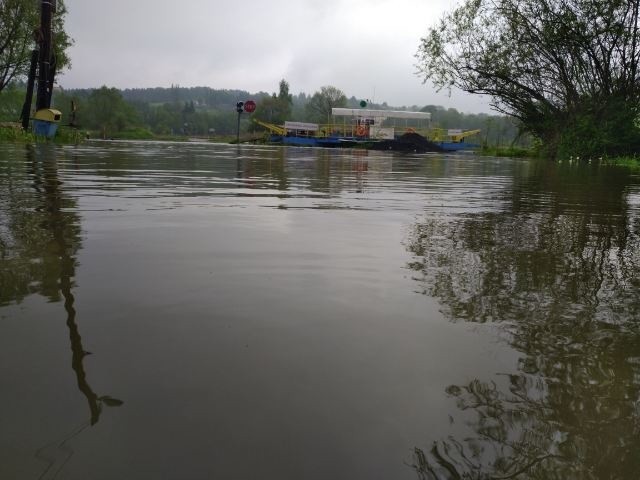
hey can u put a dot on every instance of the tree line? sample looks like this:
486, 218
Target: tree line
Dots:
206, 112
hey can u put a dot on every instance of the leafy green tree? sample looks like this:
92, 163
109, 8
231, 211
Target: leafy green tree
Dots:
11, 100
320, 105
284, 94
18, 19
277, 108
566, 69
108, 112
189, 108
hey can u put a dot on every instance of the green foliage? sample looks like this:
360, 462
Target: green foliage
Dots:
18, 18
284, 94
630, 162
136, 133
14, 133
272, 110
211, 113
11, 101
68, 135
511, 152
320, 105
277, 108
202, 97
568, 71
108, 112
600, 130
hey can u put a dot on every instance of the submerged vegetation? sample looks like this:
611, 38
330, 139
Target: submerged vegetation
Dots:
509, 151
15, 134
632, 162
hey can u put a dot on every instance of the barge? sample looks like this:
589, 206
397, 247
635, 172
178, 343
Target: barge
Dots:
372, 129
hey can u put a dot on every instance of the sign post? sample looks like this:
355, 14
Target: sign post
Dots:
239, 108
249, 106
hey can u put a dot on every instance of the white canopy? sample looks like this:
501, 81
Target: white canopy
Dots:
311, 127
380, 114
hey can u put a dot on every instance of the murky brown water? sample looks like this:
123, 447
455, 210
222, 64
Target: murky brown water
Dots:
186, 311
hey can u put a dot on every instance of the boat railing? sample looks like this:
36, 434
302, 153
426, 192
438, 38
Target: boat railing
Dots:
362, 131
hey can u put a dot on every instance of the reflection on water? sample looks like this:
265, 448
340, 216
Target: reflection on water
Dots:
559, 270
39, 241
40, 231
304, 313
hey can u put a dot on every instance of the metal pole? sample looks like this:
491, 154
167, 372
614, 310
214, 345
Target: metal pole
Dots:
238, 129
239, 109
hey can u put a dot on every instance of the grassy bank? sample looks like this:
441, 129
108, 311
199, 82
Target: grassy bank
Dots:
513, 152
632, 162
13, 133
143, 134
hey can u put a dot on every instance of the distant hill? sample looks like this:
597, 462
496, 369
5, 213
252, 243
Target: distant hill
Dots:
203, 97
200, 96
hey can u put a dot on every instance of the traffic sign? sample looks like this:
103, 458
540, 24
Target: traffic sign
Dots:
249, 106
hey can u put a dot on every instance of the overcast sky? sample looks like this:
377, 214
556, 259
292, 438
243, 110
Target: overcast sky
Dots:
364, 47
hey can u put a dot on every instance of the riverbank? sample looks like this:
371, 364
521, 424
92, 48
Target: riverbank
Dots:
512, 152
13, 133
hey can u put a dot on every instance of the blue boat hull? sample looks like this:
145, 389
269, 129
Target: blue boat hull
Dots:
411, 142
330, 142
457, 146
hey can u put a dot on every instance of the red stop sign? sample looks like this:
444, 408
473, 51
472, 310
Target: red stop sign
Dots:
249, 106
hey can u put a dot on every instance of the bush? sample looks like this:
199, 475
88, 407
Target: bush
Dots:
134, 134
12, 132
513, 152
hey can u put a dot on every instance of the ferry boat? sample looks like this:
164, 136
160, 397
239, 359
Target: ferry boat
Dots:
372, 129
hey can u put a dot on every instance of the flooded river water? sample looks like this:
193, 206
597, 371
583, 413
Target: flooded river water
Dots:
198, 311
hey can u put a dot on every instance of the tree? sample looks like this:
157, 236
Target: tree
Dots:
11, 101
320, 105
284, 94
18, 21
108, 112
566, 69
277, 108
284, 102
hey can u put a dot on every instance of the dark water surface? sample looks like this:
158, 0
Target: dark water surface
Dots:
193, 311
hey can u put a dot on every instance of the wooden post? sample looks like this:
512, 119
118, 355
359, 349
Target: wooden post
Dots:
45, 73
